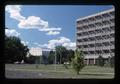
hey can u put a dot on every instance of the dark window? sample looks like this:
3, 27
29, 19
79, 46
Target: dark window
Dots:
112, 13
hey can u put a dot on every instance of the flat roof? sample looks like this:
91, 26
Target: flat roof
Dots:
99, 13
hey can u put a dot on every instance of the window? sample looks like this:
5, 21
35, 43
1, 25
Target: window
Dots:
79, 22
98, 17
112, 13
112, 35
105, 22
91, 38
112, 43
91, 45
113, 50
92, 52
106, 43
98, 24
112, 27
105, 15
106, 51
112, 20
91, 19
98, 51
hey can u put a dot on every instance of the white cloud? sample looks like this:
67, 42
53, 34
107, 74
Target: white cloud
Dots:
11, 32
53, 33
14, 11
43, 46
59, 41
50, 29
25, 42
36, 43
32, 22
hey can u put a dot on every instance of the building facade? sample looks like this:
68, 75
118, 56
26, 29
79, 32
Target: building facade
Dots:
39, 54
95, 35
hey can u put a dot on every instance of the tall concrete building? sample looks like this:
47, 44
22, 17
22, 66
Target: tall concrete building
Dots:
95, 35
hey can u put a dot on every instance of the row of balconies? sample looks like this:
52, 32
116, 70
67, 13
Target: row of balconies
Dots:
97, 17
107, 35
95, 45
96, 41
98, 48
94, 25
96, 28
87, 22
98, 51
105, 28
98, 34
97, 54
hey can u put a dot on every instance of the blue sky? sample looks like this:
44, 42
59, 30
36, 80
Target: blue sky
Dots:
30, 21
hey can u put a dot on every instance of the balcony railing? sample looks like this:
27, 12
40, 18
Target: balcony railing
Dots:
96, 21
94, 28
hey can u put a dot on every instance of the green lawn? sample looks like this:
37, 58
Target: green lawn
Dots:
60, 71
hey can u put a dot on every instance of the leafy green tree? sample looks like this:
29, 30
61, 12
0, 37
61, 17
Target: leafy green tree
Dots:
78, 61
101, 61
31, 59
61, 54
51, 57
14, 50
70, 55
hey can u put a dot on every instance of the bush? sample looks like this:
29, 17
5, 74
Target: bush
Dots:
101, 61
112, 61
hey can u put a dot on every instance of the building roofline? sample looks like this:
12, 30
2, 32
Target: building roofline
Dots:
92, 15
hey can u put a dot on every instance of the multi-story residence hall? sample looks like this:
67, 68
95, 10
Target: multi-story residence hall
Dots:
95, 35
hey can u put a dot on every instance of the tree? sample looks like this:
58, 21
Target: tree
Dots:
14, 50
44, 58
78, 61
101, 61
112, 61
51, 57
61, 53
31, 59
23, 50
70, 55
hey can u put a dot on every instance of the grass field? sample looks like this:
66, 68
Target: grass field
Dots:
49, 71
